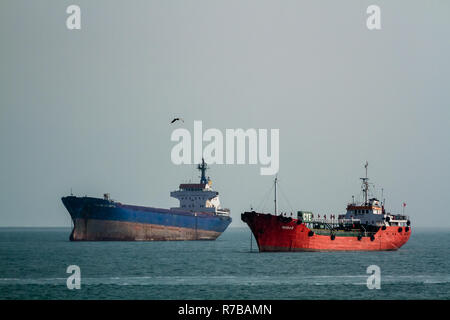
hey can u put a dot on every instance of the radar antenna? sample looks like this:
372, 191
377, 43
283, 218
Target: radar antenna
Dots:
203, 167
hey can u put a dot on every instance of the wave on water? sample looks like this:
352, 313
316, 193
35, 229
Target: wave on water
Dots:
233, 280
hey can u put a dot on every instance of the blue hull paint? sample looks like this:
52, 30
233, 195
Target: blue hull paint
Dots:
87, 208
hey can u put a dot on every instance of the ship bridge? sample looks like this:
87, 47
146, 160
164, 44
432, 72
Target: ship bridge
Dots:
199, 197
371, 211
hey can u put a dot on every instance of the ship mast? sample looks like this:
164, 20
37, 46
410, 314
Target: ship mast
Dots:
365, 184
203, 167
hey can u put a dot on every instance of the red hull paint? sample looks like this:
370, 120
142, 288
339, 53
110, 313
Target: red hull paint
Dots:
271, 234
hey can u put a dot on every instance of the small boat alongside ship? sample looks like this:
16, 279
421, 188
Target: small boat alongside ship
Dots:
199, 216
364, 226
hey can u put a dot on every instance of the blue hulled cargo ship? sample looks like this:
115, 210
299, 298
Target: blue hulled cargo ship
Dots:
199, 216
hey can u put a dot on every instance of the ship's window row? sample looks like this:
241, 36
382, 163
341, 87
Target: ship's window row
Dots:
192, 198
365, 211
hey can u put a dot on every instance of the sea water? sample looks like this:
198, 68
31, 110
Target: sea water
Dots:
34, 261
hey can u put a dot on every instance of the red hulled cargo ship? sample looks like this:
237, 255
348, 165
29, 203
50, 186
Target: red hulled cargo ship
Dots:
366, 226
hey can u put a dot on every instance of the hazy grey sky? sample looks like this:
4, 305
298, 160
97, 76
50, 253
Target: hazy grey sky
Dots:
89, 109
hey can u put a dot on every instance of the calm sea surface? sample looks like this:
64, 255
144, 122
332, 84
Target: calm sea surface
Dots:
33, 265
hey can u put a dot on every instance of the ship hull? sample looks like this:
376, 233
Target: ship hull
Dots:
103, 220
108, 230
274, 233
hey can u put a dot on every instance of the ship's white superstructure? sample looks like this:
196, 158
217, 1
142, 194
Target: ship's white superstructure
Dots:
199, 197
371, 211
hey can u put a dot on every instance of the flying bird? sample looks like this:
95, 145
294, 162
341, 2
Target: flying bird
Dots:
177, 119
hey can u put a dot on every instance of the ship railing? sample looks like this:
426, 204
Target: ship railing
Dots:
335, 227
223, 211
333, 221
349, 221
399, 217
